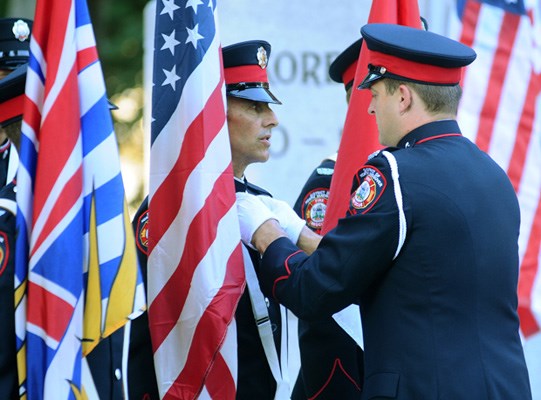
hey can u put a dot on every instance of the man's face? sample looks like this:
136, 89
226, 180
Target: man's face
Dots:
250, 123
385, 108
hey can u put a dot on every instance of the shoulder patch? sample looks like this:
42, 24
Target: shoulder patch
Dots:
142, 233
4, 252
372, 185
314, 207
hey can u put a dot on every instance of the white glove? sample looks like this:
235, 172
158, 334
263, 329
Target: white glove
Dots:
290, 222
252, 213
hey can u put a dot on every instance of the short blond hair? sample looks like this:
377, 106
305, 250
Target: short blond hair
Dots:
437, 99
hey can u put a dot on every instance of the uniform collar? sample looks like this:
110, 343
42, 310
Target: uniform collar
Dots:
240, 184
427, 131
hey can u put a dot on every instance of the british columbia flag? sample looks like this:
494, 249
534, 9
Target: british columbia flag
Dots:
77, 278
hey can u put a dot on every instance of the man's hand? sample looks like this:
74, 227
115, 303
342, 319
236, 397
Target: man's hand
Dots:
252, 214
290, 222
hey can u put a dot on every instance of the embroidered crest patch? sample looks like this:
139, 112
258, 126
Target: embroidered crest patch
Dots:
372, 185
4, 252
314, 208
142, 233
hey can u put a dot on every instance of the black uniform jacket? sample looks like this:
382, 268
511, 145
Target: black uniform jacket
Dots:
5, 153
255, 380
433, 263
8, 356
331, 361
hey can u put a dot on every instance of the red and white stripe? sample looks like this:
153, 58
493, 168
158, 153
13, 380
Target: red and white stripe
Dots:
195, 268
501, 112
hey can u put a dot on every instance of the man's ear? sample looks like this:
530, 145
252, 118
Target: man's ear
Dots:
406, 98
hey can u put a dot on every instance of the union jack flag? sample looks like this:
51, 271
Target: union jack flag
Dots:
501, 112
195, 267
77, 278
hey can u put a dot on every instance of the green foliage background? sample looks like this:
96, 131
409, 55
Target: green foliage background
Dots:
118, 26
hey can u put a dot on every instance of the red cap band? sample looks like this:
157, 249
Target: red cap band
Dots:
245, 73
414, 70
11, 108
349, 74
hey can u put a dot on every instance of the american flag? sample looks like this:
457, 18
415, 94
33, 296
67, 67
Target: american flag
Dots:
195, 267
501, 112
77, 278
360, 135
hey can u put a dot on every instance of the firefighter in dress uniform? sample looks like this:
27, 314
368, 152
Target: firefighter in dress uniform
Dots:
433, 216
250, 121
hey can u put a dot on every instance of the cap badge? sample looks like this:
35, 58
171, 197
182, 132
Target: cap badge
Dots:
262, 57
21, 30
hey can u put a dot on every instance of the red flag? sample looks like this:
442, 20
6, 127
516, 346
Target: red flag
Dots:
360, 135
195, 265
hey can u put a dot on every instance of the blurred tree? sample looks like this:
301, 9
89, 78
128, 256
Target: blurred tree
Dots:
118, 26
19, 8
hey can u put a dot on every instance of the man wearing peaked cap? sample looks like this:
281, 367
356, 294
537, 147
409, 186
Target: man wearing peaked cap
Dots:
331, 361
250, 122
433, 216
342, 69
262, 346
321, 339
